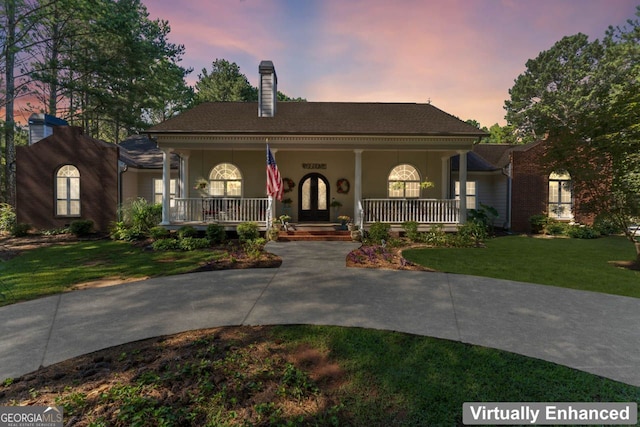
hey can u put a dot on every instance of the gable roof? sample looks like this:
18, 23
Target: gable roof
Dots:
139, 151
319, 118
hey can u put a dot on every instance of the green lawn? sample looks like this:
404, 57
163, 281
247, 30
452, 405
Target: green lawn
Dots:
57, 268
570, 263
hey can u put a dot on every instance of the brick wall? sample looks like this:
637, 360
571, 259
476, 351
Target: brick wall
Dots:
36, 168
530, 187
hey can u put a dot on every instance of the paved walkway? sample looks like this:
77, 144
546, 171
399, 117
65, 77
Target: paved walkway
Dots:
592, 332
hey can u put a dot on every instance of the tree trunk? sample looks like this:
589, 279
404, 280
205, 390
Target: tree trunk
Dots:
9, 131
638, 252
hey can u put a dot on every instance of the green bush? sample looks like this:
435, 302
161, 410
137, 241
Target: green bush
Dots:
582, 232
187, 231
20, 230
538, 223
159, 232
248, 231
254, 247
555, 227
7, 217
81, 227
165, 245
606, 226
215, 233
140, 217
436, 236
472, 233
193, 243
411, 230
378, 232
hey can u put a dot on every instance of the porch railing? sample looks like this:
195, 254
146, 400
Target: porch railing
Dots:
221, 210
423, 211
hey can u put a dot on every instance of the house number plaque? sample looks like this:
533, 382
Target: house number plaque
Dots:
314, 166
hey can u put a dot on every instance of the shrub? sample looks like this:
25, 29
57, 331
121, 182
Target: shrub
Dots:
248, 231
187, 231
165, 245
379, 231
159, 232
254, 247
484, 215
141, 216
436, 236
20, 230
538, 223
472, 233
81, 227
555, 227
215, 233
606, 226
582, 232
193, 243
121, 231
7, 217
411, 230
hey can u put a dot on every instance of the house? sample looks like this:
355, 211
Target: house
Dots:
518, 182
63, 175
372, 158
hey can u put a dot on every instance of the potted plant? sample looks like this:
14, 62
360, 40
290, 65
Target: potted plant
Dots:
202, 187
344, 220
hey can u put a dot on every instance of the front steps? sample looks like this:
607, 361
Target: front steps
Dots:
314, 232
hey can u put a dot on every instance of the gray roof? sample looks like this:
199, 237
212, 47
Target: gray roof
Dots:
138, 151
319, 118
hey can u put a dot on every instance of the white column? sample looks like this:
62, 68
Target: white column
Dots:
184, 175
272, 201
446, 177
166, 186
463, 187
357, 187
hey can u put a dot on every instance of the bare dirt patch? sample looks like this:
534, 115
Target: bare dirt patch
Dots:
242, 372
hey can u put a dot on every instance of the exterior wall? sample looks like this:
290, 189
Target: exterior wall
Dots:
139, 183
491, 190
530, 187
36, 168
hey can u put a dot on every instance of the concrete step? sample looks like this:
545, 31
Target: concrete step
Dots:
315, 235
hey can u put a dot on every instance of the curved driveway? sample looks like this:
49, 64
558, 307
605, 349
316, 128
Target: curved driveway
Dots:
593, 332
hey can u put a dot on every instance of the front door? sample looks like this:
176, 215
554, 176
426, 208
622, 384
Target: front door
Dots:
313, 193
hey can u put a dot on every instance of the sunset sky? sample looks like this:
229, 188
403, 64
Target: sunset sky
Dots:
463, 55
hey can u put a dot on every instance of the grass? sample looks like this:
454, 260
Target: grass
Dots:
299, 375
54, 269
570, 263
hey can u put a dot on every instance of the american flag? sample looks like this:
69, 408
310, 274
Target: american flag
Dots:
274, 180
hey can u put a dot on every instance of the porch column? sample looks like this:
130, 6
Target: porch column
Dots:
184, 175
357, 187
463, 186
446, 178
166, 186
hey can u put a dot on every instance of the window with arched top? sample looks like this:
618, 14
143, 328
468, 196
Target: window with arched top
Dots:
68, 191
560, 195
225, 180
403, 182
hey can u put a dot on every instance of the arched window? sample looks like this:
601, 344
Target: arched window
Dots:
404, 181
68, 191
225, 180
560, 196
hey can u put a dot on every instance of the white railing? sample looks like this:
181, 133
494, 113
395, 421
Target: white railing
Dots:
221, 210
423, 211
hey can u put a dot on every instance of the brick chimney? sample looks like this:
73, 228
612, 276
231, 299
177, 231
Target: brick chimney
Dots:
268, 90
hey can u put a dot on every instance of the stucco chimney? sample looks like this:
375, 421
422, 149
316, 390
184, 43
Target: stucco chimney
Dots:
268, 90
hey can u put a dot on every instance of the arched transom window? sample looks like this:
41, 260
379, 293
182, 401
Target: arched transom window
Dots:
404, 181
225, 180
68, 191
560, 197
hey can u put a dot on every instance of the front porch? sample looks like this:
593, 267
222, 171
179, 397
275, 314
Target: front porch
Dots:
233, 211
